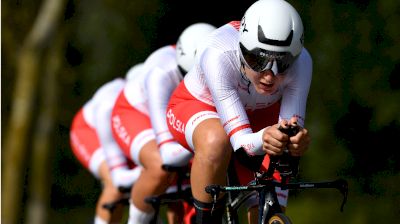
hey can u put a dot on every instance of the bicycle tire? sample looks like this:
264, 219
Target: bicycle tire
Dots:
279, 218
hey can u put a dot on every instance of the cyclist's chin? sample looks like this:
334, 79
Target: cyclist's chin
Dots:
265, 90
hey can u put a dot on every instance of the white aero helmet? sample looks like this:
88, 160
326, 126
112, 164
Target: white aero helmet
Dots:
271, 36
133, 71
188, 42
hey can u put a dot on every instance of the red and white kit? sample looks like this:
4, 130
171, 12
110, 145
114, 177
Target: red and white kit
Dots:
92, 140
216, 88
88, 126
139, 113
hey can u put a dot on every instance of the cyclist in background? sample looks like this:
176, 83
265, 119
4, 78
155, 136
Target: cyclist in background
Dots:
249, 78
93, 144
138, 119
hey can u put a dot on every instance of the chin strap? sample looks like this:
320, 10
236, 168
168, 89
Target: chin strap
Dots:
244, 76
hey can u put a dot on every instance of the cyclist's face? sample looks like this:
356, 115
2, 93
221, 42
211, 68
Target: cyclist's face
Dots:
264, 82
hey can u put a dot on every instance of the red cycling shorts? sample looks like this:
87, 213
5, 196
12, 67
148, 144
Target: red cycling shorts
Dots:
83, 139
131, 128
183, 106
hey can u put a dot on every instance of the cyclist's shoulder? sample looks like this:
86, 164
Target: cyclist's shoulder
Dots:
108, 91
301, 71
167, 52
222, 40
163, 60
305, 56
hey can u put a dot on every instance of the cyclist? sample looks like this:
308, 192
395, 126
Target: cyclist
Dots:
138, 119
249, 78
93, 144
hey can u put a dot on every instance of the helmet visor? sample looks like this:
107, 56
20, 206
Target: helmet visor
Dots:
260, 60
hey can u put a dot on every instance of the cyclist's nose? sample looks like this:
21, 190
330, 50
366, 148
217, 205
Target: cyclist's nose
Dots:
272, 66
267, 73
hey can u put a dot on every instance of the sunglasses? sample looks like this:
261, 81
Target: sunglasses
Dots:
261, 60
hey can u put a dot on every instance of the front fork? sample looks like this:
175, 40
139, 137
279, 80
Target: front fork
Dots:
270, 205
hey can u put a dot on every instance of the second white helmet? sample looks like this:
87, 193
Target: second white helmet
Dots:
188, 42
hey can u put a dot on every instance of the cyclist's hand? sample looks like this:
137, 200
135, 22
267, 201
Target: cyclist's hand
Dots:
274, 141
299, 143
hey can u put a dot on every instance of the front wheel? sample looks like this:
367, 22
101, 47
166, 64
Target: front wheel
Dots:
279, 218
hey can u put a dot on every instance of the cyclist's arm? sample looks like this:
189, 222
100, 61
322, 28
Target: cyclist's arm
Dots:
160, 84
121, 175
297, 85
294, 100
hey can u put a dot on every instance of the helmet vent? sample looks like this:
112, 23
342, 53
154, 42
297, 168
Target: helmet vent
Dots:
282, 43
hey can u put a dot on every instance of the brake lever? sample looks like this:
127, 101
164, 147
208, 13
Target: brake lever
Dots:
213, 190
343, 187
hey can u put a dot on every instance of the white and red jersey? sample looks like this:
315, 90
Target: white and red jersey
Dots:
161, 67
90, 130
106, 94
217, 81
96, 114
149, 93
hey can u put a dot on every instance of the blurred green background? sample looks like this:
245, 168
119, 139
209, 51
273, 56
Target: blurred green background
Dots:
353, 110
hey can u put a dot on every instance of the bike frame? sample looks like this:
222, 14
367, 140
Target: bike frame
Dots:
181, 194
268, 202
